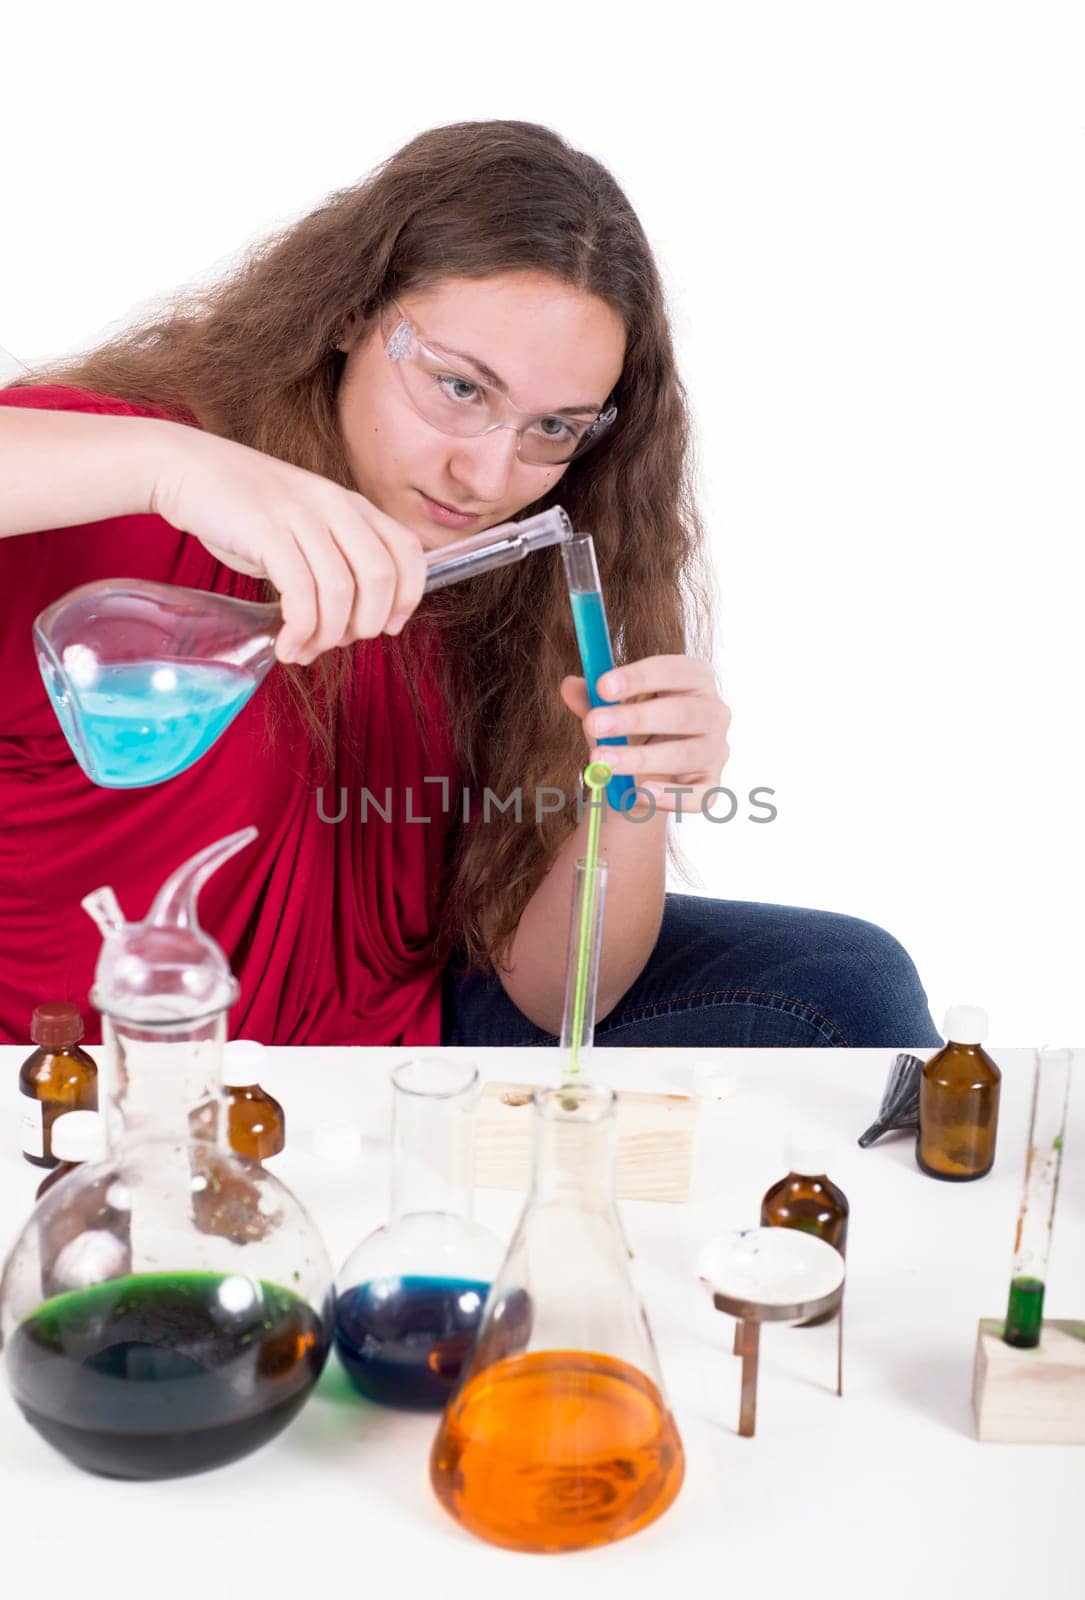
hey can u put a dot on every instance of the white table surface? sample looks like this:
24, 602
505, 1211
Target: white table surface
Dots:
885, 1491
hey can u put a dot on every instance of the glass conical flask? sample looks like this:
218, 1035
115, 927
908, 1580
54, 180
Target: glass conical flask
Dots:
144, 677
559, 1435
411, 1296
169, 1308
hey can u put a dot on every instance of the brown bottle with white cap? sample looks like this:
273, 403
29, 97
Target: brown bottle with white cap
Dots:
57, 1077
958, 1102
257, 1124
77, 1136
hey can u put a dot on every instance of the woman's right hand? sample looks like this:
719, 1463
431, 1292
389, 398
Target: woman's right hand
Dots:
344, 570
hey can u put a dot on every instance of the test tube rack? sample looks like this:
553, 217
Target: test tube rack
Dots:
1030, 1396
655, 1134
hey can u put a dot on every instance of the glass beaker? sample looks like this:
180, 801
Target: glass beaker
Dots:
166, 1309
410, 1298
559, 1435
144, 677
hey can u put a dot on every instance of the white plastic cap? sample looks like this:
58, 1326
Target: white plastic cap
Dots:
965, 1025
808, 1160
78, 1136
242, 1063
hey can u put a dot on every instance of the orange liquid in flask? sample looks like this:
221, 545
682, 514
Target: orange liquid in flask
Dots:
557, 1450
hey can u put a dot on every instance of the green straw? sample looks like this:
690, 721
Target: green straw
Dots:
596, 776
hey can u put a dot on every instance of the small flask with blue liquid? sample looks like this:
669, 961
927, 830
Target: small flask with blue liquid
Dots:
410, 1298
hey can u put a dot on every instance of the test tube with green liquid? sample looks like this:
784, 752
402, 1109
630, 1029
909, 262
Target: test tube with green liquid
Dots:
585, 934
1032, 1242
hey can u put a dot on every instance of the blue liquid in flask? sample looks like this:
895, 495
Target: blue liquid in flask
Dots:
597, 657
142, 722
403, 1341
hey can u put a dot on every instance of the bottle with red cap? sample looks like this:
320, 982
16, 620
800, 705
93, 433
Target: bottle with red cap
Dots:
56, 1078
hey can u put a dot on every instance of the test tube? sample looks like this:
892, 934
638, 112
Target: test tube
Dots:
582, 973
593, 638
1032, 1243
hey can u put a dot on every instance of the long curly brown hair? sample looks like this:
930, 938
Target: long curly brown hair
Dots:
253, 358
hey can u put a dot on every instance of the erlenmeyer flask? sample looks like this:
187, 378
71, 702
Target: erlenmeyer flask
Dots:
559, 1435
169, 1308
144, 677
411, 1296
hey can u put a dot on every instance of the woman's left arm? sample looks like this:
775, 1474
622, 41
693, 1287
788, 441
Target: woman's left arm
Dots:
677, 726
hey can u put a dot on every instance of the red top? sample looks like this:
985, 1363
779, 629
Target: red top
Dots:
327, 924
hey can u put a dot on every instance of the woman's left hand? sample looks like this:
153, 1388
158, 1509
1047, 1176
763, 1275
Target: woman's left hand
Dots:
674, 720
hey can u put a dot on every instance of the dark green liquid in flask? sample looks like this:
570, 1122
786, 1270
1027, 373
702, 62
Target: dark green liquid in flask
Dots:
158, 1375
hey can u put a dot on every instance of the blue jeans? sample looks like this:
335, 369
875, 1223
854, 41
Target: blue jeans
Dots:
734, 972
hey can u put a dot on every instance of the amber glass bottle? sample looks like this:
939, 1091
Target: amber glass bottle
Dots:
57, 1077
958, 1102
807, 1200
257, 1124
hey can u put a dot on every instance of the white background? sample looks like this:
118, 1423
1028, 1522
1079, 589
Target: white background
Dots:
869, 218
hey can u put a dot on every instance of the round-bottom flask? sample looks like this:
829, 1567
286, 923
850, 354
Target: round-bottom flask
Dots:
166, 1309
559, 1435
410, 1298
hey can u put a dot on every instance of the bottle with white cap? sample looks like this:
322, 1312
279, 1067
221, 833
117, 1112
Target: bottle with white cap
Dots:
78, 1136
78, 1242
958, 1102
806, 1199
257, 1124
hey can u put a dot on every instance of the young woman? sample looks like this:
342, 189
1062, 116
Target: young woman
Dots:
473, 334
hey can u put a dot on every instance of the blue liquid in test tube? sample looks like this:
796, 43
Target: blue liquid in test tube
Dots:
593, 638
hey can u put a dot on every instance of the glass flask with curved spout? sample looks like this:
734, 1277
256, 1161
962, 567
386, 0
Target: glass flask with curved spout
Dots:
410, 1298
559, 1435
166, 1309
144, 677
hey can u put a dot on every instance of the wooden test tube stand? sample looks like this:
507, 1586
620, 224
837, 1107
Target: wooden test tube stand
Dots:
1032, 1396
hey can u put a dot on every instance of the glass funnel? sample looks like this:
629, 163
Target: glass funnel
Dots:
559, 1436
411, 1296
166, 1309
144, 677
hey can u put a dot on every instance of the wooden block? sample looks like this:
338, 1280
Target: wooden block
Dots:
1030, 1396
655, 1142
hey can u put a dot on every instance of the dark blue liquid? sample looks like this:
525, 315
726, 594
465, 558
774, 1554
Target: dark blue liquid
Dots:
146, 721
597, 657
161, 1374
403, 1340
